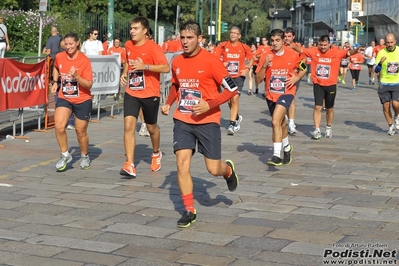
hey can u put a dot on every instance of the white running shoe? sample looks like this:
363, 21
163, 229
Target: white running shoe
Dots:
291, 128
397, 122
328, 132
391, 130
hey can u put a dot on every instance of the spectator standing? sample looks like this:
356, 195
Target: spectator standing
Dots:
4, 41
92, 46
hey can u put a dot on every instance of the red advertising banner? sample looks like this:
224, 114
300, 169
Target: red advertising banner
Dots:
22, 85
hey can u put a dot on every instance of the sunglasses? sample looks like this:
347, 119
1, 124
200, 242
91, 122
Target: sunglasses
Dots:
95, 34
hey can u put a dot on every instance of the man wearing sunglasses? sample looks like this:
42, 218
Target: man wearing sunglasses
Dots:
92, 46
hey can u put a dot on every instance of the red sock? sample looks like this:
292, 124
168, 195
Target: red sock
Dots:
188, 201
228, 173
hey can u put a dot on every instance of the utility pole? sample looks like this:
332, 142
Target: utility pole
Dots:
201, 12
220, 20
110, 34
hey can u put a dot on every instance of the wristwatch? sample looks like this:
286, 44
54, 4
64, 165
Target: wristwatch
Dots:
147, 67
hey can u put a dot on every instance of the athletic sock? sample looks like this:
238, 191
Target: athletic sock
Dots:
188, 201
277, 149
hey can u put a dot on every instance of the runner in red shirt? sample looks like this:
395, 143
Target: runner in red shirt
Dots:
355, 67
196, 78
118, 49
325, 67
74, 70
145, 61
259, 51
233, 54
375, 53
280, 67
289, 37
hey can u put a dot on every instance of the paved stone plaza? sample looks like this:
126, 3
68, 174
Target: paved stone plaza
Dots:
338, 194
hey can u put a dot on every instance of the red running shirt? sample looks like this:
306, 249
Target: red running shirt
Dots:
70, 89
144, 83
235, 55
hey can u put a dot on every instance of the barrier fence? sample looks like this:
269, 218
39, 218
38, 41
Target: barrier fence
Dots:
25, 91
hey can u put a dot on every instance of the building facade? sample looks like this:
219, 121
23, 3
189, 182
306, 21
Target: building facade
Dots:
313, 18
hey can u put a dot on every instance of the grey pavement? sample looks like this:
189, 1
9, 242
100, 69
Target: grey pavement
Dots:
338, 194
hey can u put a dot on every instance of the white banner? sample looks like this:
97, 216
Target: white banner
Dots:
43, 5
106, 73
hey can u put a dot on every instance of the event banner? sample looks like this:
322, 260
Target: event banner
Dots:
106, 73
22, 85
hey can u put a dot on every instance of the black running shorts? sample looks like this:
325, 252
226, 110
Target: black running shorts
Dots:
81, 111
326, 93
150, 107
207, 136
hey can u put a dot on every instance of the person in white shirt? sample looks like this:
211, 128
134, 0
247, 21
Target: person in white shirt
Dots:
370, 61
92, 46
4, 42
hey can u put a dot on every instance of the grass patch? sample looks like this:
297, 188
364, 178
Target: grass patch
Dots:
19, 54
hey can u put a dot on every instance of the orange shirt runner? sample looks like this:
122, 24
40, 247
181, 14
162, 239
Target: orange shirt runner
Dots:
281, 67
198, 76
144, 83
355, 61
235, 56
325, 67
120, 50
71, 90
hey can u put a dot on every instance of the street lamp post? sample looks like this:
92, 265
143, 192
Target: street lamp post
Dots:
274, 17
246, 29
292, 9
312, 6
256, 32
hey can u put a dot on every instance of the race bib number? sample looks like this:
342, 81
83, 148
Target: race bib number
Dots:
136, 80
70, 88
187, 99
278, 84
356, 66
233, 67
392, 68
323, 71
344, 61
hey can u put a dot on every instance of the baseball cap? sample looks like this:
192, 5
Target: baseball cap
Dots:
356, 46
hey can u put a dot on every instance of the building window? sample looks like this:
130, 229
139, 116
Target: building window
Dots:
284, 23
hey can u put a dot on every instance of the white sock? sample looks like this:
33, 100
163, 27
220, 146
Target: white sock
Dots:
277, 149
291, 121
318, 129
286, 142
66, 154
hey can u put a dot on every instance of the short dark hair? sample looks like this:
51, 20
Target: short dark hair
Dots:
277, 32
144, 22
191, 26
324, 38
289, 30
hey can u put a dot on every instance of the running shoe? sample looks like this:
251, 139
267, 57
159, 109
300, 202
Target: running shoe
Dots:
250, 92
156, 161
275, 161
316, 134
287, 159
397, 122
128, 170
239, 120
328, 132
187, 219
70, 127
62, 162
391, 130
357, 83
353, 88
230, 130
232, 181
143, 128
343, 82
291, 128
84, 162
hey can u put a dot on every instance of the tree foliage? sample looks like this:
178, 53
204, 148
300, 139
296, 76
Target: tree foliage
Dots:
234, 12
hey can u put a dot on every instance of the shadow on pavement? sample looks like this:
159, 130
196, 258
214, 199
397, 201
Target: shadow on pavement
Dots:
201, 194
364, 125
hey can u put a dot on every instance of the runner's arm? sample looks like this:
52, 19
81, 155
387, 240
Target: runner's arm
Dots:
230, 90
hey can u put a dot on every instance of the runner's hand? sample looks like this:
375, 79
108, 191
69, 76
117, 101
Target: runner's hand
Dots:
200, 108
123, 80
165, 109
